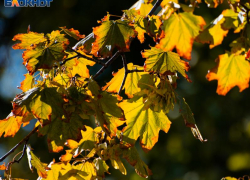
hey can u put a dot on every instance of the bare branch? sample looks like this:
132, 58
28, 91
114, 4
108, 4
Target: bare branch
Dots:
20, 158
157, 4
88, 58
18, 144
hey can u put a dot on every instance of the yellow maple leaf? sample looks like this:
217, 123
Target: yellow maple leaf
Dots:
143, 123
232, 70
131, 83
160, 61
10, 125
180, 31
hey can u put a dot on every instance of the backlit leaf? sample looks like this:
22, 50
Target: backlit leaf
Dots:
105, 41
28, 40
11, 125
180, 32
131, 83
2, 167
143, 123
58, 132
73, 33
45, 54
85, 44
27, 83
160, 61
189, 119
133, 158
101, 167
34, 162
80, 67
232, 70
214, 33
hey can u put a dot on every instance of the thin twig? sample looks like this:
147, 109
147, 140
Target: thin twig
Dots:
20, 158
68, 59
135, 70
157, 4
114, 57
88, 58
125, 65
107, 64
18, 144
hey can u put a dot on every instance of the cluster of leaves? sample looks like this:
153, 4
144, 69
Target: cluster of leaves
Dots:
63, 98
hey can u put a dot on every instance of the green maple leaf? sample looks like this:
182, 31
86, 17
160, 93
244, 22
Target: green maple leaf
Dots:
105, 41
143, 123
160, 61
58, 132
45, 53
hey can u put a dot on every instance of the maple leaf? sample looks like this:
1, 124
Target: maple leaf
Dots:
101, 166
34, 162
189, 118
41, 102
27, 83
58, 132
105, 41
180, 31
232, 70
131, 83
73, 33
80, 67
142, 7
106, 109
2, 167
143, 123
11, 125
150, 26
28, 40
133, 158
214, 33
213, 3
45, 54
233, 20
160, 61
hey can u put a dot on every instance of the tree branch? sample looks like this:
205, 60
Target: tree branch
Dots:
18, 144
247, 12
88, 58
125, 65
107, 64
157, 4
20, 158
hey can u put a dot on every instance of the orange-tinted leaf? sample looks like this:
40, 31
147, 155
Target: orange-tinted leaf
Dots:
28, 40
232, 70
45, 54
112, 34
214, 33
180, 31
11, 125
2, 167
27, 83
213, 3
160, 61
73, 33
131, 83
142, 123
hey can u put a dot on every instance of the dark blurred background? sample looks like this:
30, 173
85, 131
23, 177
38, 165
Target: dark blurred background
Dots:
224, 121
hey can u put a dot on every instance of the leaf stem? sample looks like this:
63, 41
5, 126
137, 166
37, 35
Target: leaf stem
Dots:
18, 144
